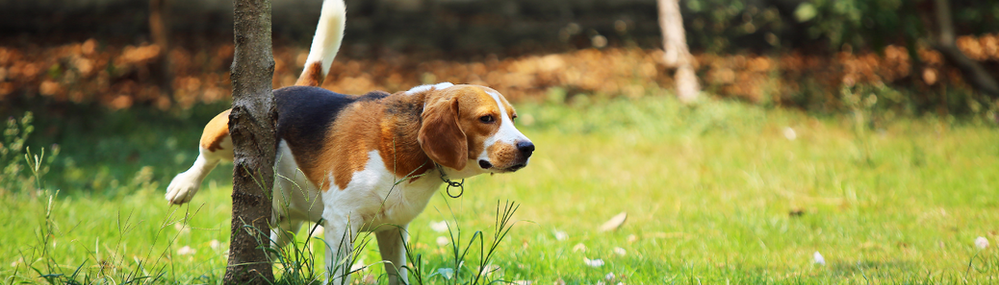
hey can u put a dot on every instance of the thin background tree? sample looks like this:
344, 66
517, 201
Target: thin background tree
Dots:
251, 126
943, 38
676, 54
159, 30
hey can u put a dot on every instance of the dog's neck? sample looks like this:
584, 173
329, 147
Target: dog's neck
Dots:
406, 111
400, 128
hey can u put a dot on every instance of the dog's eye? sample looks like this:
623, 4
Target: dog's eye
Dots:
486, 119
513, 118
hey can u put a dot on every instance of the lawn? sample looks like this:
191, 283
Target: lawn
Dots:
721, 192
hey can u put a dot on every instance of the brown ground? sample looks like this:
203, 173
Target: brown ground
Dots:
122, 76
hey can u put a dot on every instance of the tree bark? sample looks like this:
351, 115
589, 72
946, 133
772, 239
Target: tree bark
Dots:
677, 55
945, 42
251, 127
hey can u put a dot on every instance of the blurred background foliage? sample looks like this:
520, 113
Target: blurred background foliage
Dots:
712, 25
796, 53
93, 72
109, 108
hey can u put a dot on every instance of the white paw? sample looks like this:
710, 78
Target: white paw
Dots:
182, 188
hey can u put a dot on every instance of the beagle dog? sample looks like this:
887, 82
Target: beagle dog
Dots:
369, 162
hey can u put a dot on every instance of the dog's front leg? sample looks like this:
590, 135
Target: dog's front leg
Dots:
392, 246
339, 235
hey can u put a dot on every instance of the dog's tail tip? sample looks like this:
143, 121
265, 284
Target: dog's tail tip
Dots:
325, 44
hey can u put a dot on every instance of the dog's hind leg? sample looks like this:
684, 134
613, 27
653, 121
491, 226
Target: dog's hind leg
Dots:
215, 146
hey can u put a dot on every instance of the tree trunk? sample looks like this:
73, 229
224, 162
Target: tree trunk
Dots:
944, 40
251, 126
677, 55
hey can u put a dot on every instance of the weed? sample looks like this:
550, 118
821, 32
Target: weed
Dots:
47, 264
457, 272
21, 167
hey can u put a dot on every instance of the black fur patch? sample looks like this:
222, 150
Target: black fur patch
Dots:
306, 114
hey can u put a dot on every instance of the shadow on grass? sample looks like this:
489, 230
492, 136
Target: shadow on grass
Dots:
102, 148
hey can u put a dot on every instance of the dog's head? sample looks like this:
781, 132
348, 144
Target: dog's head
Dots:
472, 126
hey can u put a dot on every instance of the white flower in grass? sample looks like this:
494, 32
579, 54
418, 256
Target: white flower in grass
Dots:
981, 243
186, 250
560, 235
215, 244
447, 273
620, 251
439, 227
790, 134
182, 228
609, 276
442, 241
818, 259
632, 238
593, 262
489, 269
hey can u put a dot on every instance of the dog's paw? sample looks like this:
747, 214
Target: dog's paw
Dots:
182, 188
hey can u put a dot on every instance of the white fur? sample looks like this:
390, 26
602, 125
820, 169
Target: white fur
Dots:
507, 133
428, 87
372, 201
329, 35
296, 200
183, 186
375, 200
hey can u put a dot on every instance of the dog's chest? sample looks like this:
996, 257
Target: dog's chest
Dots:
378, 197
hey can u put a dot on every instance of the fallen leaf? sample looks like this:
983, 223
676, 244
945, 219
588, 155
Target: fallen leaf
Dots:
614, 223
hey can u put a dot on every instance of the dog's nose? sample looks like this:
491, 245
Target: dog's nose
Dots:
525, 147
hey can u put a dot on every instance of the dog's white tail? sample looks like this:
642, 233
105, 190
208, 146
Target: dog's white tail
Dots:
326, 43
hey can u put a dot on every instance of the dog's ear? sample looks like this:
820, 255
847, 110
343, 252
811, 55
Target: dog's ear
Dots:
440, 135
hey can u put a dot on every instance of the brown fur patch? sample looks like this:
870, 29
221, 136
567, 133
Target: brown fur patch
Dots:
346, 146
441, 136
503, 155
216, 131
389, 126
476, 103
400, 147
312, 75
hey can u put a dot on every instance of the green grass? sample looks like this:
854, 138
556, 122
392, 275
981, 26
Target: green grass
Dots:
714, 193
